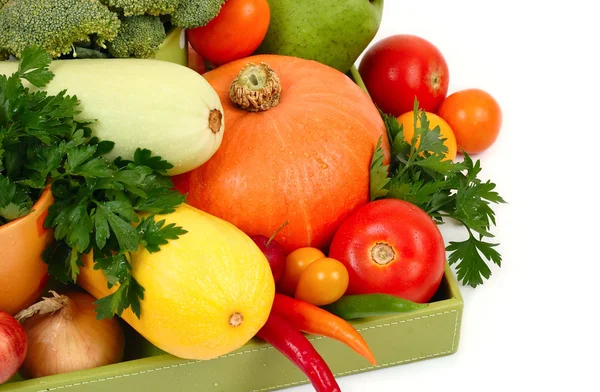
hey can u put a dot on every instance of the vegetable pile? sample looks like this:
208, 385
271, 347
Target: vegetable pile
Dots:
251, 194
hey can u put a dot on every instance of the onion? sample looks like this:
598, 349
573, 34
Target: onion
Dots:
13, 346
64, 335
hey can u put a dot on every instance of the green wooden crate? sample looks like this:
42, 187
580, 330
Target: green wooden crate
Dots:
426, 333
257, 367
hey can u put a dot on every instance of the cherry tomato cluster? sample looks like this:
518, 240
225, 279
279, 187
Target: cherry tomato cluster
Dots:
314, 278
387, 246
306, 273
402, 67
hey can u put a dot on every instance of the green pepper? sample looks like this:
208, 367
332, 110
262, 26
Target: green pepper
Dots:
369, 305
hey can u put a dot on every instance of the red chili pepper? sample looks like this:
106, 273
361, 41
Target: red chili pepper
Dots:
314, 320
279, 333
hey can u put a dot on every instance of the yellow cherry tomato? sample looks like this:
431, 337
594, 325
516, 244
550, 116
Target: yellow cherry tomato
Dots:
295, 263
407, 121
324, 281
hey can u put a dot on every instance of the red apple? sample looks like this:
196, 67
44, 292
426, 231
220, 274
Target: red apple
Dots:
181, 182
13, 346
195, 62
273, 251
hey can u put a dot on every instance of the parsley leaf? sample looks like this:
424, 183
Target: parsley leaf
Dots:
130, 293
125, 233
153, 234
33, 66
14, 201
470, 265
143, 157
420, 174
60, 254
160, 201
379, 173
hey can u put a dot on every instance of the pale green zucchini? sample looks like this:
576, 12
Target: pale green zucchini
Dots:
161, 106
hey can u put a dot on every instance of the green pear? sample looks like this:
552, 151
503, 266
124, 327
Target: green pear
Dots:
332, 32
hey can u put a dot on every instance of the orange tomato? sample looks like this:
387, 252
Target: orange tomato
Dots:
407, 121
235, 33
295, 264
475, 117
324, 281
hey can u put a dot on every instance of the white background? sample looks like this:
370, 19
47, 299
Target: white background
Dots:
534, 324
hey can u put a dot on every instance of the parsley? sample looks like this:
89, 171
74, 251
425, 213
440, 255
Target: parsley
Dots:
379, 173
419, 174
98, 204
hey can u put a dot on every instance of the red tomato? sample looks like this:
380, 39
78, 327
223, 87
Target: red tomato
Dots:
393, 247
401, 67
235, 33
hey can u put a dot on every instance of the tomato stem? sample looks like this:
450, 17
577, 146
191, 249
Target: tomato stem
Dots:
382, 253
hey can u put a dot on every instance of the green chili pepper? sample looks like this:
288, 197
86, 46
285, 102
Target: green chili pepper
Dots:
369, 305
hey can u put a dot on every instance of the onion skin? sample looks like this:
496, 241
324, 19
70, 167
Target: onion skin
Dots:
13, 346
71, 339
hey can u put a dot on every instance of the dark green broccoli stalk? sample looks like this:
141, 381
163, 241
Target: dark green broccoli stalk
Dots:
54, 25
195, 13
139, 36
139, 7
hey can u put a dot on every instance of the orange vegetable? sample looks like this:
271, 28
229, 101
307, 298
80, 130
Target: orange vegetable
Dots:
295, 263
205, 294
408, 128
313, 320
322, 282
23, 273
299, 151
475, 117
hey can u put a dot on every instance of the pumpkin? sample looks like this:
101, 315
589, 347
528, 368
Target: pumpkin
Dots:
206, 293
298, 145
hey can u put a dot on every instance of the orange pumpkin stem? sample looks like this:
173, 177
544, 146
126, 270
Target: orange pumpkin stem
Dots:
256, 88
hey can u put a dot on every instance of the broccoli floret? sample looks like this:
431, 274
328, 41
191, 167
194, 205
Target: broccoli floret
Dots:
195, 13
55, 25
139, 36
139, 7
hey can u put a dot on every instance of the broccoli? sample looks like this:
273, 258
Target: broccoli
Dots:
139, 36
195, 13
139, 7
55, 25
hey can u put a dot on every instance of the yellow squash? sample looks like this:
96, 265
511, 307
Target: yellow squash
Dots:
206, 293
